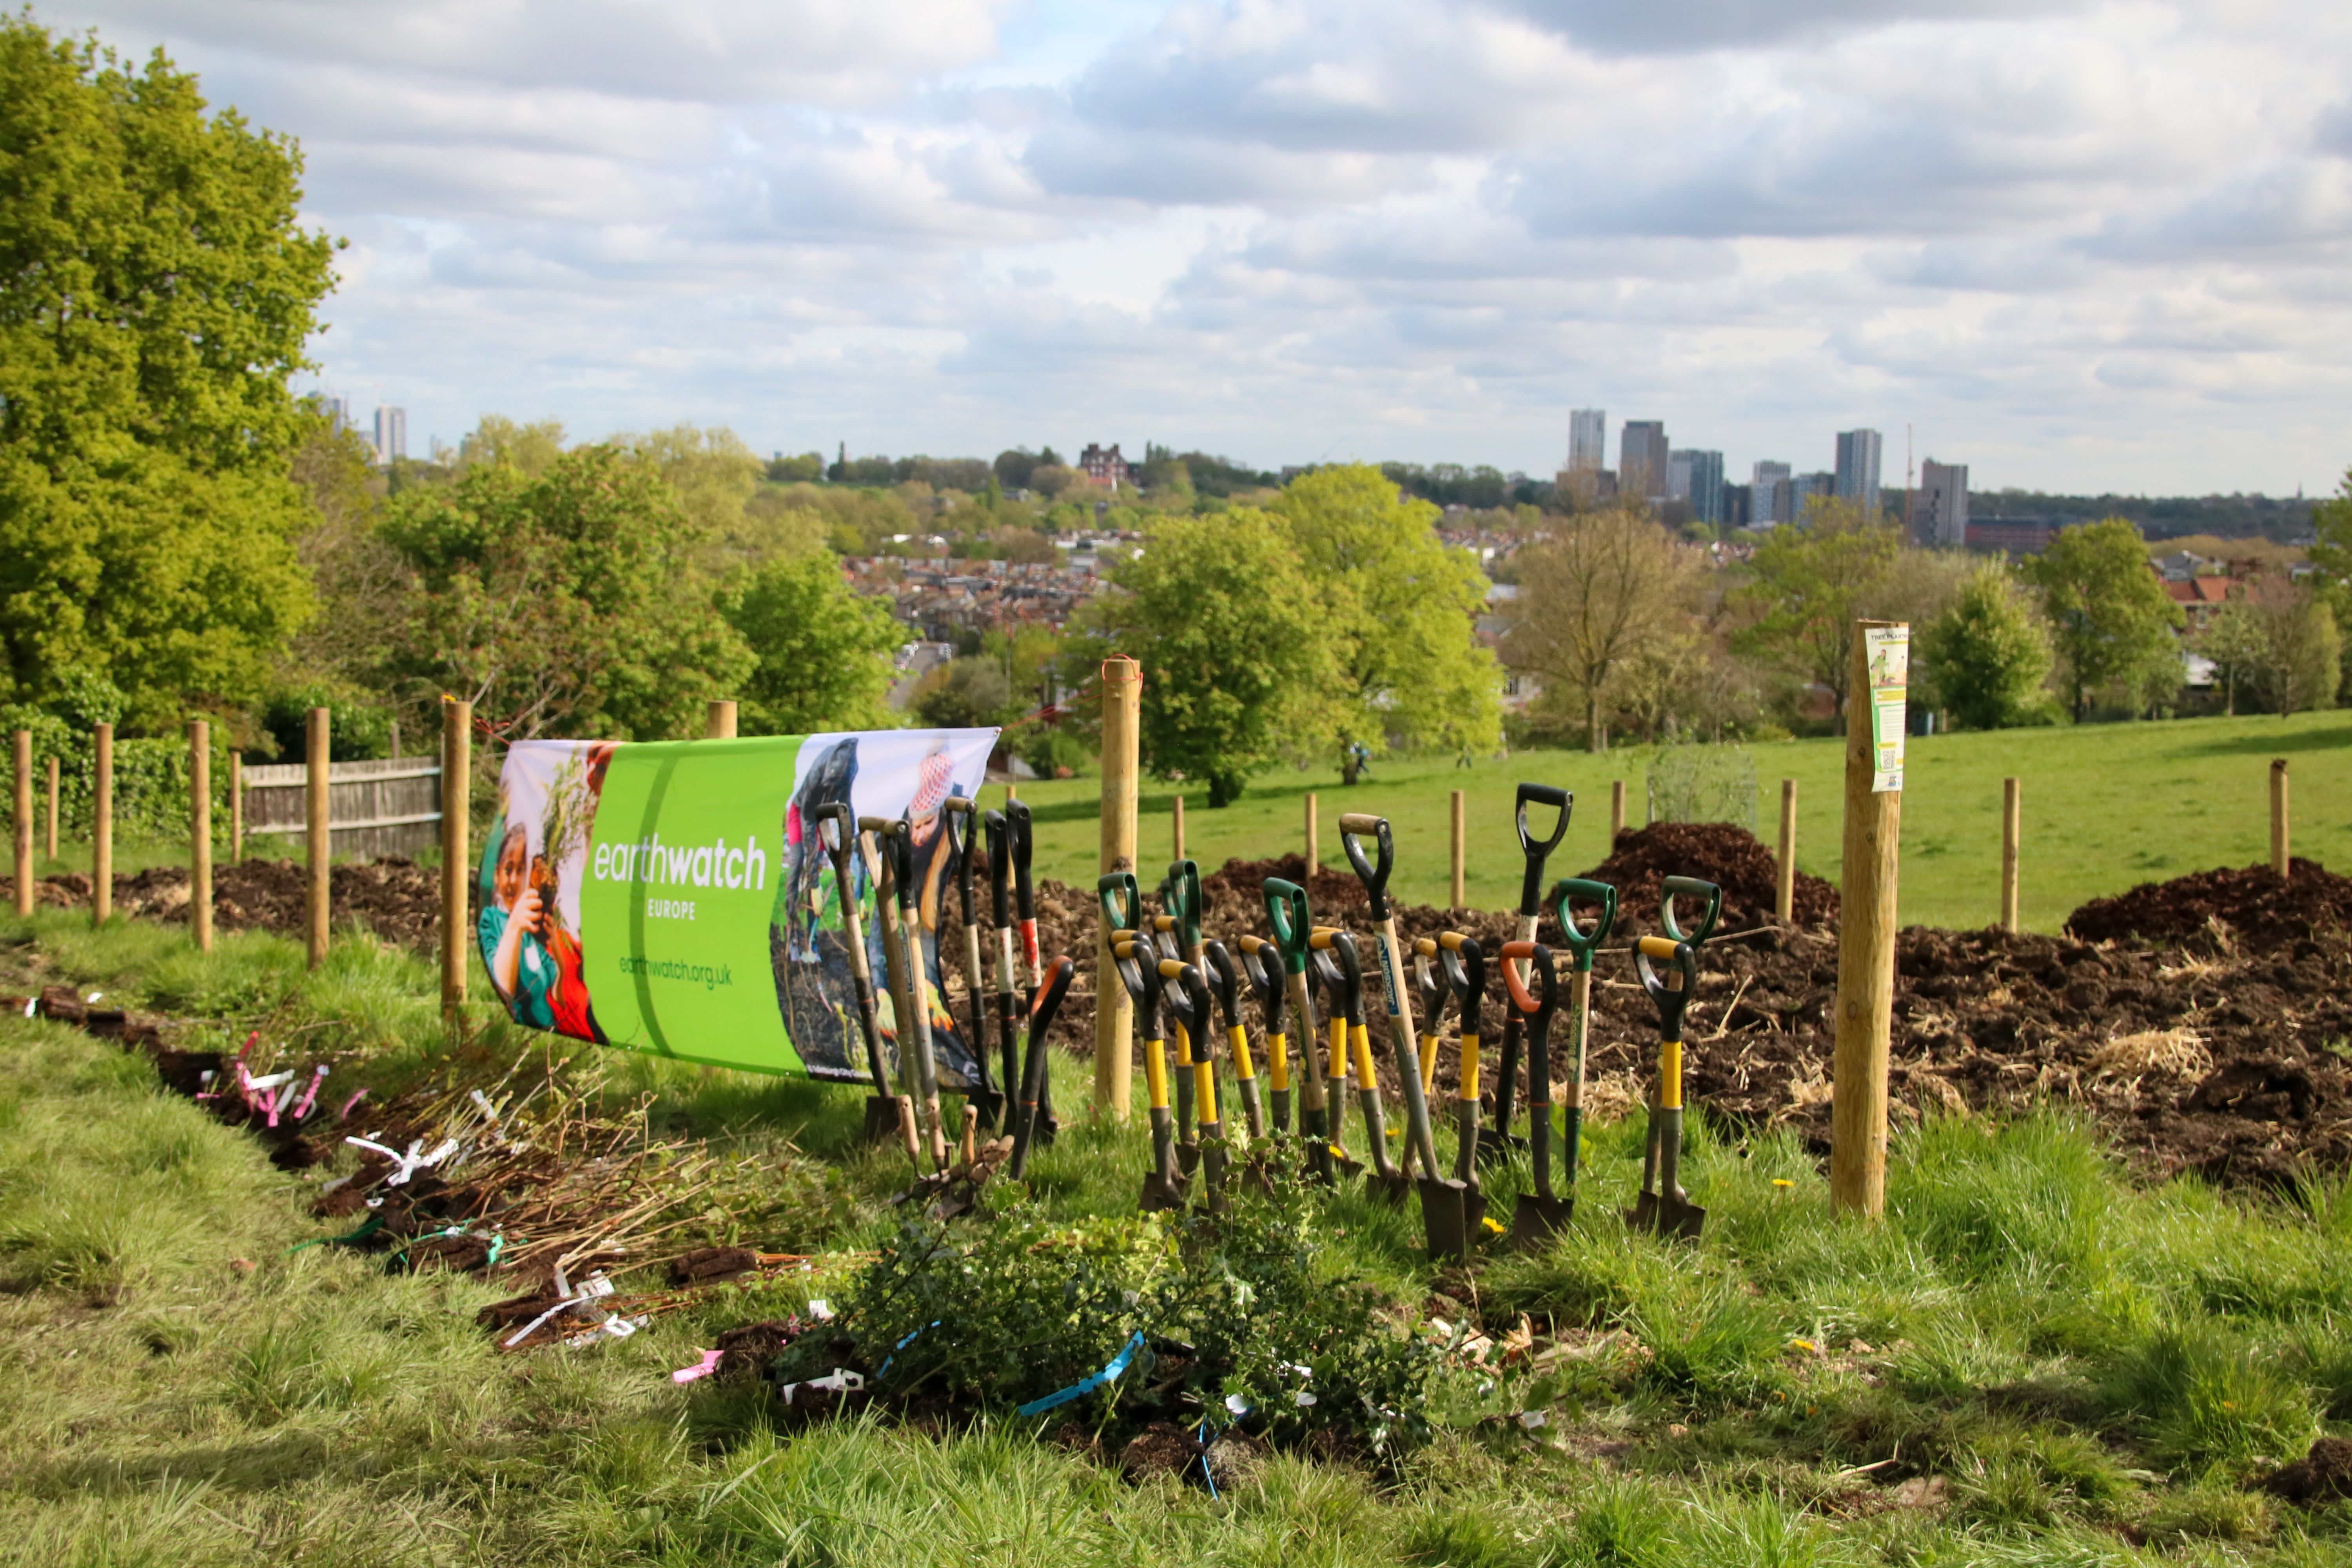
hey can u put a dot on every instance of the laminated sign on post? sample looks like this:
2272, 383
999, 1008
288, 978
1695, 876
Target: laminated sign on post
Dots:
675, 898
1889, 651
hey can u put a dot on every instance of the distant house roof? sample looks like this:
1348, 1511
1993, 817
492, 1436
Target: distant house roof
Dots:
2198, 590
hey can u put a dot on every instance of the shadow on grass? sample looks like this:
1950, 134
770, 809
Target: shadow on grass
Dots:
2275, 743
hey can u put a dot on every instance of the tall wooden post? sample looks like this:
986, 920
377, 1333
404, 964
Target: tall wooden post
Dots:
2279, 860
1314, 853
1461, 850
1865, 992
236, 807
102, 824
2012, 815
1179, 827
720, 725
396, 740
318, 889
1122, 724
456, 854
53, 806
23, 822
1616, 814
200, 833
1784, 894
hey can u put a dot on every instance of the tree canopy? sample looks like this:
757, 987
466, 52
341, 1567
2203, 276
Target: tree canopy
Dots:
1600, 593
155, 293
1810, 584
1985, 658
1401, 610
2112, 621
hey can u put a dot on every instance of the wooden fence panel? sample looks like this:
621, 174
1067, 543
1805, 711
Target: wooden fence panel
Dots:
385, 805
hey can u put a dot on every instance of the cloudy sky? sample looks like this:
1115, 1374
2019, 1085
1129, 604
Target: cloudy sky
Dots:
2077, 246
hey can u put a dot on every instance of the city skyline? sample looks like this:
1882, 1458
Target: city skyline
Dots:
2093, 247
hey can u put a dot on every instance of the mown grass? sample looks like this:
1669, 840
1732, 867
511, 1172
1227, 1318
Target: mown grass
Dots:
2107, 806
2060, 1366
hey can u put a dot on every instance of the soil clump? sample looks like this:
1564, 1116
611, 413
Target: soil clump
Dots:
2211, 910
394, 897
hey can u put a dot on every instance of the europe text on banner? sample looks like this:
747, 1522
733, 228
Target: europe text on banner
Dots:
673, 898
1888, 651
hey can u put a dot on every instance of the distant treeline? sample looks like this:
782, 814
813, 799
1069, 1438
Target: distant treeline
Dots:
2285, 519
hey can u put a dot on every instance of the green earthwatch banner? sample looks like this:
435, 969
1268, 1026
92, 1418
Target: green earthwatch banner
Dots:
671, 897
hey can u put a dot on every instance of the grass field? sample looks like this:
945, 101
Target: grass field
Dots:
2105, 808
2030, 1362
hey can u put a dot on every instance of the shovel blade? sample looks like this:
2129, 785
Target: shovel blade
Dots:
1157, 1194
1392, 1187
1444, 1218
882, 1118
1474, 1215
1679, 1219
1643, 1214
1187, 1157
1539, 1219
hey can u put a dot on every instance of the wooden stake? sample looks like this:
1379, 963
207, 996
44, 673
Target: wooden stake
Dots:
53, 806
318, 889
102, 824
1122, 725
1865, 993
456, 854
1460, 849
1616, 814
1784, 895
23, 822
1179, 827
200, 833
720, 726
1314, 858
396, 740
2011, 834
236, 807
2279, 860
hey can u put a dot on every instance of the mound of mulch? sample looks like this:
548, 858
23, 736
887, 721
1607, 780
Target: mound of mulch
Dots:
394, 897
1719, 852
2319, 1476
2250, 901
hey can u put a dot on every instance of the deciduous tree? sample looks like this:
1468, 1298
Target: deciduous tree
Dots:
822, 653
156, 288
1236, 654
2113, 623
1401, 612
1598, 593
1985, 658
1810, 584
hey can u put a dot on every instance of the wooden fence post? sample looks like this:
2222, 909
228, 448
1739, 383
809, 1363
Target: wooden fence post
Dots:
2012, 816
720, 725
200, 833
1616, 814
236, 807
102, 824
1460, 849
2279, 858
54, 771
1179, 827
319, 886
1313, 853
1784, 895
24, 822
1122, 689
457, 856
1865, 993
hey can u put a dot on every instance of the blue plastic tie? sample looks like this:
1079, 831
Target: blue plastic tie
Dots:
1085, 1385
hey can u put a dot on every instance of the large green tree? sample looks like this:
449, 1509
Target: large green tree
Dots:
1809, 585
571, 601
1236, 655
1401, 610
156, 289
2113, 623
1985, 658
823, 653
1601, 593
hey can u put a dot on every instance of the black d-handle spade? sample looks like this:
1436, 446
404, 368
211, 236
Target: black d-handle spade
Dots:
1034, 1071
1536, 851
1541, 1212
1262, 966
1024, 892
1000, 915
1375, 877
1667, 1209
963, 842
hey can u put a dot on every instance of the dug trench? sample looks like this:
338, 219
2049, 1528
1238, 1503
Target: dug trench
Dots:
2204, 1021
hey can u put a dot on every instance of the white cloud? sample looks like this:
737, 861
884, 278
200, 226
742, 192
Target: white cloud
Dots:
2079, 243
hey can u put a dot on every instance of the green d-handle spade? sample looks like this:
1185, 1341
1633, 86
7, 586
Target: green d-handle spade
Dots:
1582, 942
1689, 887
1121, 900
1287, 915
